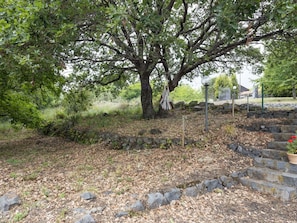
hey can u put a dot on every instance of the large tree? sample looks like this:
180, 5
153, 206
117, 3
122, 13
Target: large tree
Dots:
171, 39
109, 41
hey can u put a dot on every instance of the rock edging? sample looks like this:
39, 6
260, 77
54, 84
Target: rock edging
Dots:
153, 201
8, 200
156, 199
160, 198
113, 140
250, 152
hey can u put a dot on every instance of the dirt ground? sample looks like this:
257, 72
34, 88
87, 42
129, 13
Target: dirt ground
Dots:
50, 174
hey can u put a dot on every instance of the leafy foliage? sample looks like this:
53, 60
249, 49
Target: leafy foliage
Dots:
77, 100
120, 41
280, 77
169, 40
225, 81
20, 109
185, 93
28, 61
221, 81
131, 92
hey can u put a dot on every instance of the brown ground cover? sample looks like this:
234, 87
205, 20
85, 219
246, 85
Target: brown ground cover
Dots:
50, 173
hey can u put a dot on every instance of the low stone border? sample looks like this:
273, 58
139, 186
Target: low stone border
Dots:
154, 200
270, 114
138, 143
160, 198
8, 200
157, 199
116, 141
257, 127
113, 140
67, 129
245, 151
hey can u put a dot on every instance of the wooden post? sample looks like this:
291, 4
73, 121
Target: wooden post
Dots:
233, 105
247, 104
183, 131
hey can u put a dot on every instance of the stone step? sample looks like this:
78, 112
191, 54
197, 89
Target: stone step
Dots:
291, 121
282, 136
289, 128
275, 154
274, 176
279, 165
292, 115
285, 193
277, 145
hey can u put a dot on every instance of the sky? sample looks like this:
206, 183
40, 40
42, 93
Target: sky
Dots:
244, 77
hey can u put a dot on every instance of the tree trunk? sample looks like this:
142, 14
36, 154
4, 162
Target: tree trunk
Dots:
148, 111
294, 91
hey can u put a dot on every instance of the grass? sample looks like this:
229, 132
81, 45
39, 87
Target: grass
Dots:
62, 215
268, 100
229, 129
45, 191
20, 216
107, 107
51, 114
14, 162
9, 131
31, 176
62, 195
85, 168
109, 114
99, 115
106, 114
13, 175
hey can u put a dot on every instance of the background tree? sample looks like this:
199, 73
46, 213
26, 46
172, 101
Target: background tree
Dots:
234, 83
185, 93
77, 100
28, 61
131, 92
225, 81
280, 73
222, 81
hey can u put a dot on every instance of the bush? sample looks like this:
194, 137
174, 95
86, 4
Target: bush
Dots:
131, 92
185, 93
20, 109
76, 101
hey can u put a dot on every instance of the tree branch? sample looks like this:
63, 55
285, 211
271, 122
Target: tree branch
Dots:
184, 19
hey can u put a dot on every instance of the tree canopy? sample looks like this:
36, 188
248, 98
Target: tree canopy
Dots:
280, 73
225, 81
29, 63
116, 41
173, 39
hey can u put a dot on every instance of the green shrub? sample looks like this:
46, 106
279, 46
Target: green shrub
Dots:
185, 93
131, 92
76, 101
20, 109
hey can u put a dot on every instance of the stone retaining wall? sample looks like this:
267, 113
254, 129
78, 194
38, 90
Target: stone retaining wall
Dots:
270, 114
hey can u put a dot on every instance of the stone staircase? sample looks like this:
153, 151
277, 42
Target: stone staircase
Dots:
272, 173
